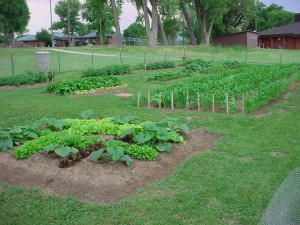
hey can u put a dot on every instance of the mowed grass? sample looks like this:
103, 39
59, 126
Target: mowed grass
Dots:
232, 183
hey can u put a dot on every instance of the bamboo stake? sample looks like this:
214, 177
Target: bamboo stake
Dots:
198, 101
138, 99
213, 103
227, 104
243, 104
149, 100
159, 100
187, 100
172, 100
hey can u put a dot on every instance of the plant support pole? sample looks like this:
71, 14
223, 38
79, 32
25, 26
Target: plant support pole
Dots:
92, 58
243, 104
138, 99
166, 55
172, 100
281, 56
159, 100
187, 100
58, 62
12, 62
149, 99
198, 101
227, 104
121, 57
213, 103
246, 55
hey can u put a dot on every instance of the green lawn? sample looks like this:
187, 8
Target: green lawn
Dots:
233, 182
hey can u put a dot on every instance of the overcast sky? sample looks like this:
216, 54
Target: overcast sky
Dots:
40, 12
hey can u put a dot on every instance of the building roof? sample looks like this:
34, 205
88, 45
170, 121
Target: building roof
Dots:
292, 29
224, 35
27, 37
91, 35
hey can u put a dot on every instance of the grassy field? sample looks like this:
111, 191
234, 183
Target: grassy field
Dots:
232, 183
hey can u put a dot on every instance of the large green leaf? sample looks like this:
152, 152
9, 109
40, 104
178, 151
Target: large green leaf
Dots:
5, 141
163, 134
97, 154
115, 143
182, 127
50, 148
142, 137
150, 126
127, 159
65, 151
86, 114
115, 153
164, 147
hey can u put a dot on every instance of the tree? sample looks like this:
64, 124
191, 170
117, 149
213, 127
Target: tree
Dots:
135, 30
208, 11
68, 13
171, 27
152, 29
188, 22
117, 24
44, 36
14, 17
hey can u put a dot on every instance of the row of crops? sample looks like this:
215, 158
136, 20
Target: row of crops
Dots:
248, 86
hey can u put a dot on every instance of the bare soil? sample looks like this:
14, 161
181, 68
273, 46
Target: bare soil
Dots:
102, 182
23, 86
101, 91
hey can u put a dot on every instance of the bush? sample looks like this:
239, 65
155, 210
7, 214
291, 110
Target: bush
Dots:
26, 78
156, 65
196, 65
107, 71
231, 64
169, 75
83, 85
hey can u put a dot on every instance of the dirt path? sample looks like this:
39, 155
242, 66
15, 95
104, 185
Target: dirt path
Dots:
98, 182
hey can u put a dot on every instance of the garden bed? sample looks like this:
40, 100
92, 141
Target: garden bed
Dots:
97, 181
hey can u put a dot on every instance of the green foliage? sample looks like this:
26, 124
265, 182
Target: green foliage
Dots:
231, 64
44, 36
86, 114
171, 28
65, 151
107, 71
82, 85
141, 152
5, 141
128, 119
156, 65
135, 30
196, 65
26, 78
169, 75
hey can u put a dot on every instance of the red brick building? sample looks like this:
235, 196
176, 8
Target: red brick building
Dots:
245, 38
283, 37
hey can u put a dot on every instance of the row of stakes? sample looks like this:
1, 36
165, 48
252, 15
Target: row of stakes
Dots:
187, 101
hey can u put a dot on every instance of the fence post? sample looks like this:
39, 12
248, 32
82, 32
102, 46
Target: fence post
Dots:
144, 56
92, 58
212, 54
227, 104
58, 62
281, 56
198, 101
138, 99
121, 57
213, 103
149, 99
187, 100
246, 55
159, 103
172, 100
166, 55
12, 62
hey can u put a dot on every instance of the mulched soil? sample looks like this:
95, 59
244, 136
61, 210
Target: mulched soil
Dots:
102, 182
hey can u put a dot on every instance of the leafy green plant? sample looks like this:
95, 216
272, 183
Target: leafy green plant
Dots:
5, 141
107, 71
141, 152
169, 75
156, 65
83, 85
86, 114
26, 78
196, 65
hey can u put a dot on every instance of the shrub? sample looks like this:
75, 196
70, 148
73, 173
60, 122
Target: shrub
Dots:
156, 65
26, 78
169, 75
107, 71
196, 65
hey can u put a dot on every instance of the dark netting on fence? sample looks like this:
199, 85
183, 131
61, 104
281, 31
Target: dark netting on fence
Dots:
284, 208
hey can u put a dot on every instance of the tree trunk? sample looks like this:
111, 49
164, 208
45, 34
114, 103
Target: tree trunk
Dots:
161, 31
188, 23
117, 24
151, 31
201, 13
12, 39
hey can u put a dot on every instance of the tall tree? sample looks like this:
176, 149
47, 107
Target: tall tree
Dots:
117, 23
14, 17
135, 30
44, 36
188, 22
69, 21
151, 29
207, 12
171, 27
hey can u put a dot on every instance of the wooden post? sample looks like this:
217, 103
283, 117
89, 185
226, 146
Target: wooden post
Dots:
138, 99
198, 101
159, 100
172, 100
187, 100
52, 73
149, 99
121, 61
227, 104
213, 103
243, 104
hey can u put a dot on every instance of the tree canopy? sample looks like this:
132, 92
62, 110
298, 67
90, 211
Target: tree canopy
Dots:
135, 30
14, 17
44, 36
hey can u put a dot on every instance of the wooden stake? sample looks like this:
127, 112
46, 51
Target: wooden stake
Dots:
198, 101
213, 103
227, 104
52, 73
149, 99
243, 104
159, 100
172, 100
187, 100
138, 99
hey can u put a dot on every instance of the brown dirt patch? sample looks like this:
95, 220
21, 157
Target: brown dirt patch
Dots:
276, 154
99, 182
124, 95
23, 86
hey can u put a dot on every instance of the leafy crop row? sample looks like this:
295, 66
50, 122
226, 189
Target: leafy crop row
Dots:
26, 78
83, 85
156, 65
196, 65
169, 75
107, 71
259, 84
